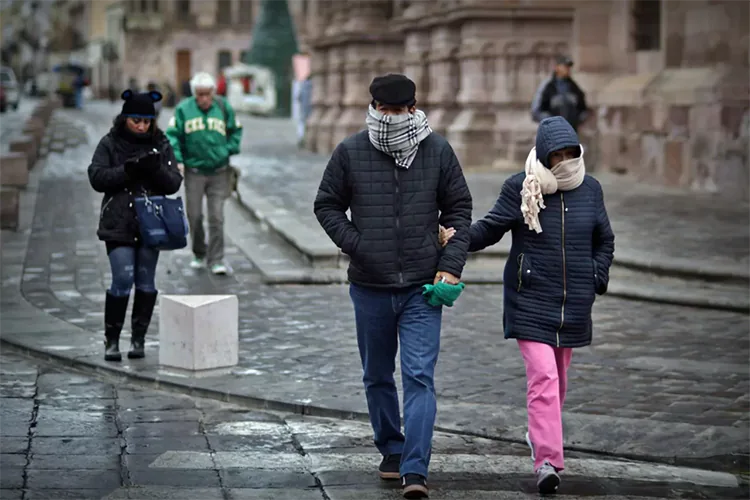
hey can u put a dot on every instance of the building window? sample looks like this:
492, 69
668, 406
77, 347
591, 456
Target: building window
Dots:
224, 12
246, 12
144, 5
244, 55
155, 5
647, 24
225, 60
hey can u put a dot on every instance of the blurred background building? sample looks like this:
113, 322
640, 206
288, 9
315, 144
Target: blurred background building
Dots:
667, 80
24, 27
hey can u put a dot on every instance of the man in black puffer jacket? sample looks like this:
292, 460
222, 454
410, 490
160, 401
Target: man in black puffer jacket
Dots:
401, 182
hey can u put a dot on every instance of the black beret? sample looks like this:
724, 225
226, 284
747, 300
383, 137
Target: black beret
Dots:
393, 90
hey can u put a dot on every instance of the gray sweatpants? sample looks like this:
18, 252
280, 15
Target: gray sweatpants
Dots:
215, 187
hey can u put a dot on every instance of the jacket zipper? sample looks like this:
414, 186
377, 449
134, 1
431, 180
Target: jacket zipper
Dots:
565, 284
397, 213
520, 272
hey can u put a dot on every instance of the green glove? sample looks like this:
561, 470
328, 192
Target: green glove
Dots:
442, 294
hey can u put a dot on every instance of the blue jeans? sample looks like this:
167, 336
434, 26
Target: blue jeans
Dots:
383, 318
132, 266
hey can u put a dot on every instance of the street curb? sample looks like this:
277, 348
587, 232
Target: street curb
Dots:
257, 402
307, 241
311, 275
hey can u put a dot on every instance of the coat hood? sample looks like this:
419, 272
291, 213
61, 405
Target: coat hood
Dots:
553, 134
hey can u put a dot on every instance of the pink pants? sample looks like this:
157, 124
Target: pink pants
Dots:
546, 383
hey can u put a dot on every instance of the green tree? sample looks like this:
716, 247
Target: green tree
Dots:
273, 45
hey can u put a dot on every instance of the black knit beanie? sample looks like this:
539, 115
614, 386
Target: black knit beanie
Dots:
393, 90
140, 105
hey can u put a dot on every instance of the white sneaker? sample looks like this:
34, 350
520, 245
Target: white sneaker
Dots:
219, 269
197, 263
547, 479
531, 446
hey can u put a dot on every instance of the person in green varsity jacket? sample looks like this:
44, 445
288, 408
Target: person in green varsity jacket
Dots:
204, 133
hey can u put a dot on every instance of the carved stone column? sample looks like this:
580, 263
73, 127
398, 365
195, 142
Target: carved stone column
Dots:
368, 47
357, 60
417, 49
471, 132
319, 79
334, 94
443, 73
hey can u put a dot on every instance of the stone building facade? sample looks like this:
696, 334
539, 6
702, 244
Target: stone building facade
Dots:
667, 79
167, 41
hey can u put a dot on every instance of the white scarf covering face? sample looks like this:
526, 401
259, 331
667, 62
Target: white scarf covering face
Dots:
565, 176
397, 135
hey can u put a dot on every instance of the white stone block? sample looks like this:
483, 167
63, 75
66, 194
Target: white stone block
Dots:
198, 332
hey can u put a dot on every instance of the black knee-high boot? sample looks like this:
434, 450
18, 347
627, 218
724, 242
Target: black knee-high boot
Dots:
143, 308
115, 309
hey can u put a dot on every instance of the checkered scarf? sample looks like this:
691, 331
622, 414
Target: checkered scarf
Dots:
398, 135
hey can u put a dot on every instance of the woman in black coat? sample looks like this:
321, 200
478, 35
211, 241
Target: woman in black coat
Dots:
135, 157
559, 261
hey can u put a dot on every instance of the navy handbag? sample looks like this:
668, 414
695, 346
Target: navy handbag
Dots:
162, 222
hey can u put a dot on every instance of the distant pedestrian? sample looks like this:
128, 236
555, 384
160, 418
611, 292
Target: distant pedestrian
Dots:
303, 99
559, 260
560, 95
133, 158
401, 181
204, 133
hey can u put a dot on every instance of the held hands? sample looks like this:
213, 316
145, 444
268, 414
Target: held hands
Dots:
444, 235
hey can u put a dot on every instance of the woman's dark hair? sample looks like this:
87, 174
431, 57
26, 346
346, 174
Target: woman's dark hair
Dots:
119, 125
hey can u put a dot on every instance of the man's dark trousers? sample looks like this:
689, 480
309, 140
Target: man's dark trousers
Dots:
384, 318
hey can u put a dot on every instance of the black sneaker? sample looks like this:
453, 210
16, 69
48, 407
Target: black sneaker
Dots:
389, 467
415, 486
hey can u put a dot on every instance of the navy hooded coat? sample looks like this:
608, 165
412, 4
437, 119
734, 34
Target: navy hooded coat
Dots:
551, 278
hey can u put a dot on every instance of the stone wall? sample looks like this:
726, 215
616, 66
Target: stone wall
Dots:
677, 115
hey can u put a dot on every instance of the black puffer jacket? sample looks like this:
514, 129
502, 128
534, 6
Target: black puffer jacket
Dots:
392, 238
108, 175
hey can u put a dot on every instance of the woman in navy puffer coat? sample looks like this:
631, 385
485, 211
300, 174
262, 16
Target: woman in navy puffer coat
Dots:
562, 250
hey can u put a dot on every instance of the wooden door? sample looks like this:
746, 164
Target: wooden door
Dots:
184, 71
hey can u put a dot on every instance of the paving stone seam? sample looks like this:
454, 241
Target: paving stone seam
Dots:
301, 450
32, 429
122, 437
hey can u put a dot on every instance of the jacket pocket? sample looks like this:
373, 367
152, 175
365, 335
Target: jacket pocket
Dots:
104, 207
599, 286
525, 272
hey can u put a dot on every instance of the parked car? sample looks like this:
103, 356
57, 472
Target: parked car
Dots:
10, 88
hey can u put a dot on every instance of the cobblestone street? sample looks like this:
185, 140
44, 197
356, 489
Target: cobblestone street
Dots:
68, 436
663, 382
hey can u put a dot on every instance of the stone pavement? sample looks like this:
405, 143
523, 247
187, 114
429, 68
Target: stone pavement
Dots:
660, 382
65, 435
